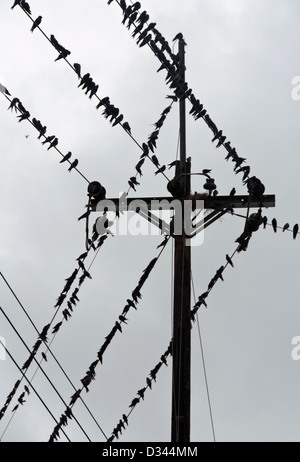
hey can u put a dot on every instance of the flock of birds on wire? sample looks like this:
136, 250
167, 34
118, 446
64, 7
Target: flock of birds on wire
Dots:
146, 34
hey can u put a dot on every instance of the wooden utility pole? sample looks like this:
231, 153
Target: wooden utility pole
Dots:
180, 188
181, 378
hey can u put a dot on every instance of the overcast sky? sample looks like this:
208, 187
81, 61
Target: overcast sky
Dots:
241, 58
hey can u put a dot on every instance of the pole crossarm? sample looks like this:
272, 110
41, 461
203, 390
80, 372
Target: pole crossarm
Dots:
165, 203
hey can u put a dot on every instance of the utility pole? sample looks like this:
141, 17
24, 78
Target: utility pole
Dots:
180, 188
181, 378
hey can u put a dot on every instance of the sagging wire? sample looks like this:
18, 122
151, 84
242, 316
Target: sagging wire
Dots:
36, 393
21, 400
122, 320
50, 351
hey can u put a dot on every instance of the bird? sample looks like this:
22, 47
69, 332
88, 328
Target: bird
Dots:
25, 6
229, 260
155, 161
286, 226
73, 165
274, 224
77, 68
27, 389
160, 170
175, 163
63, 54
24, 116
139, 165
44, 356
13, 104
206, 171
134, 402
126, 127
36, 23
53, 144
66, 157
233, 192
4, 90
265, 222
49, 139
149, 382
295, 231
17, 2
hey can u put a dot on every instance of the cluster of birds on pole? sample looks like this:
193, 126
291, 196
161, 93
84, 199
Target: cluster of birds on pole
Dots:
149, 35
123, 422
148, 149
122, 319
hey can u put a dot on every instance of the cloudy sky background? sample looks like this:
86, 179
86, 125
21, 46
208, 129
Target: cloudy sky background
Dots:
241, 58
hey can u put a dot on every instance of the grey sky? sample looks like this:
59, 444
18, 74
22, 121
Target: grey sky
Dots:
241, 59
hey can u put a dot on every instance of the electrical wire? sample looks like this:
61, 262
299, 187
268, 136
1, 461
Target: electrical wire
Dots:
50, 351
41, 369
37, 394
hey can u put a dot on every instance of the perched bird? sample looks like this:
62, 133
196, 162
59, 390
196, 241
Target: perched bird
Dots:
77, 68
175, 163
149, 382
274, 224
286, 226
73, 165
160, 170
49, 139
233, 192
295, 231
36, 23
206, 171
13, 104
24, 116
229, 260
4, 90
155, 161
17, 2
53, 144
134, 402
25, 6
66, 157
265, 222
126, 127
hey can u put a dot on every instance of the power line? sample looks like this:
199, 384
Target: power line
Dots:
41, 369
50, 351
37, 394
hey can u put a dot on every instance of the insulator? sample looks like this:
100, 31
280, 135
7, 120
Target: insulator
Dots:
254, 222
255, 187
176, 188
96, 190
210, 184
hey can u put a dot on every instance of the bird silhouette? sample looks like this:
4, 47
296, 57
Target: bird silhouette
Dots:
286, 227
274, 224
36, 23
53, 144
73, 165
17, 2
295, 231
229, 260
77, 68
66, 157
160, 170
